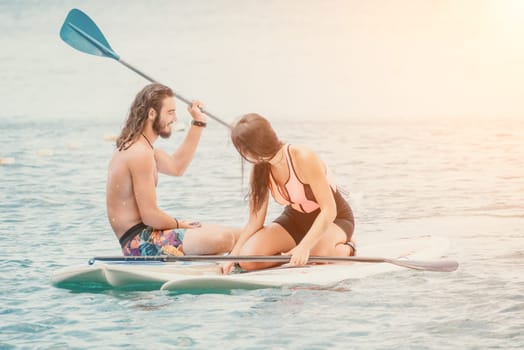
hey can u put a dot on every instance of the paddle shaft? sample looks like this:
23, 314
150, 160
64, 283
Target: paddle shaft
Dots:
437, 265
177, 95
87, 26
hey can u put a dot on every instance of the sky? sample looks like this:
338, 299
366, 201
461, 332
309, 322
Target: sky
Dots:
378, 59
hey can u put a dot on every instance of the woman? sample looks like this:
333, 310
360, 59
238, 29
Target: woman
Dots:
317, 220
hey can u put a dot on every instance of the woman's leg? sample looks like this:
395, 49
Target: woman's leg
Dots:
332, 243
270, 240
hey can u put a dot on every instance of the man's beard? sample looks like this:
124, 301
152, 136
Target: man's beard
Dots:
159, 128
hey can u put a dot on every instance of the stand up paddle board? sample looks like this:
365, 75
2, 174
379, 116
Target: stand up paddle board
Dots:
206, 276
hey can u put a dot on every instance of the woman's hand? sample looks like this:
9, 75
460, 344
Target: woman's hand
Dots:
227, 267
299, 255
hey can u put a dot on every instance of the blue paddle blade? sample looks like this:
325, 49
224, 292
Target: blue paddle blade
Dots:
80, 32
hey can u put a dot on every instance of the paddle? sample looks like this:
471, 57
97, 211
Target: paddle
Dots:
80, 32
436, 265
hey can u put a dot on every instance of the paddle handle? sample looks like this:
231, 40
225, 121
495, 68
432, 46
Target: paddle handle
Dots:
177, 95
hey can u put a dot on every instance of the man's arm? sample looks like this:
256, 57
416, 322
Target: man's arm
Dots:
143, 174
177, 163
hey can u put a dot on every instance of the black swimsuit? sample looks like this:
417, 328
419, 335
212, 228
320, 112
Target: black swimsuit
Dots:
297, 223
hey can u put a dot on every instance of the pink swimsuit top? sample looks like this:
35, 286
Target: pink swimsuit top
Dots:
296, 192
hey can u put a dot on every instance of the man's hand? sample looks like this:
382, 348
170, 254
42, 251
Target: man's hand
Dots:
189, 224
195, 109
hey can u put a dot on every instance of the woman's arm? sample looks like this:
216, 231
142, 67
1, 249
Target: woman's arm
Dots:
311, 170
254, 224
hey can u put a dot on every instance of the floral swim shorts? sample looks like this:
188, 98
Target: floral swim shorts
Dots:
142, 240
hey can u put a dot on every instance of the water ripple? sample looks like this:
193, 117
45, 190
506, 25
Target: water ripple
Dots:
402, 182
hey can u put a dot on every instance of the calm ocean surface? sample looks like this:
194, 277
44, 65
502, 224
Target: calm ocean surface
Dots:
462, 183
461, 179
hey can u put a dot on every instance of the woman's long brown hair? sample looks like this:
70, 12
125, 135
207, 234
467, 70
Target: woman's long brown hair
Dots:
254, 137
151, 96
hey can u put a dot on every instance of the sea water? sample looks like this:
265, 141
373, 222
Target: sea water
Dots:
403, 180
461, 179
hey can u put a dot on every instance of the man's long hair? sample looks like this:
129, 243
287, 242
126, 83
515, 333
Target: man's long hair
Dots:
151, 96
253, 136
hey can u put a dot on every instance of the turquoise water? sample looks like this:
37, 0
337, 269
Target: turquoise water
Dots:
317, 70
462, 183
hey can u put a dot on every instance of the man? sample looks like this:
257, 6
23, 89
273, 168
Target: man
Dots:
141, 227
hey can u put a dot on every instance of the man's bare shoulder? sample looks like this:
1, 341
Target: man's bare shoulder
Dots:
126, 167
135, 153
133, 160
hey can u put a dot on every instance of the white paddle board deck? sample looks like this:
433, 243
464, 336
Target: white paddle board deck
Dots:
317, 275
135, 275
207, 276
